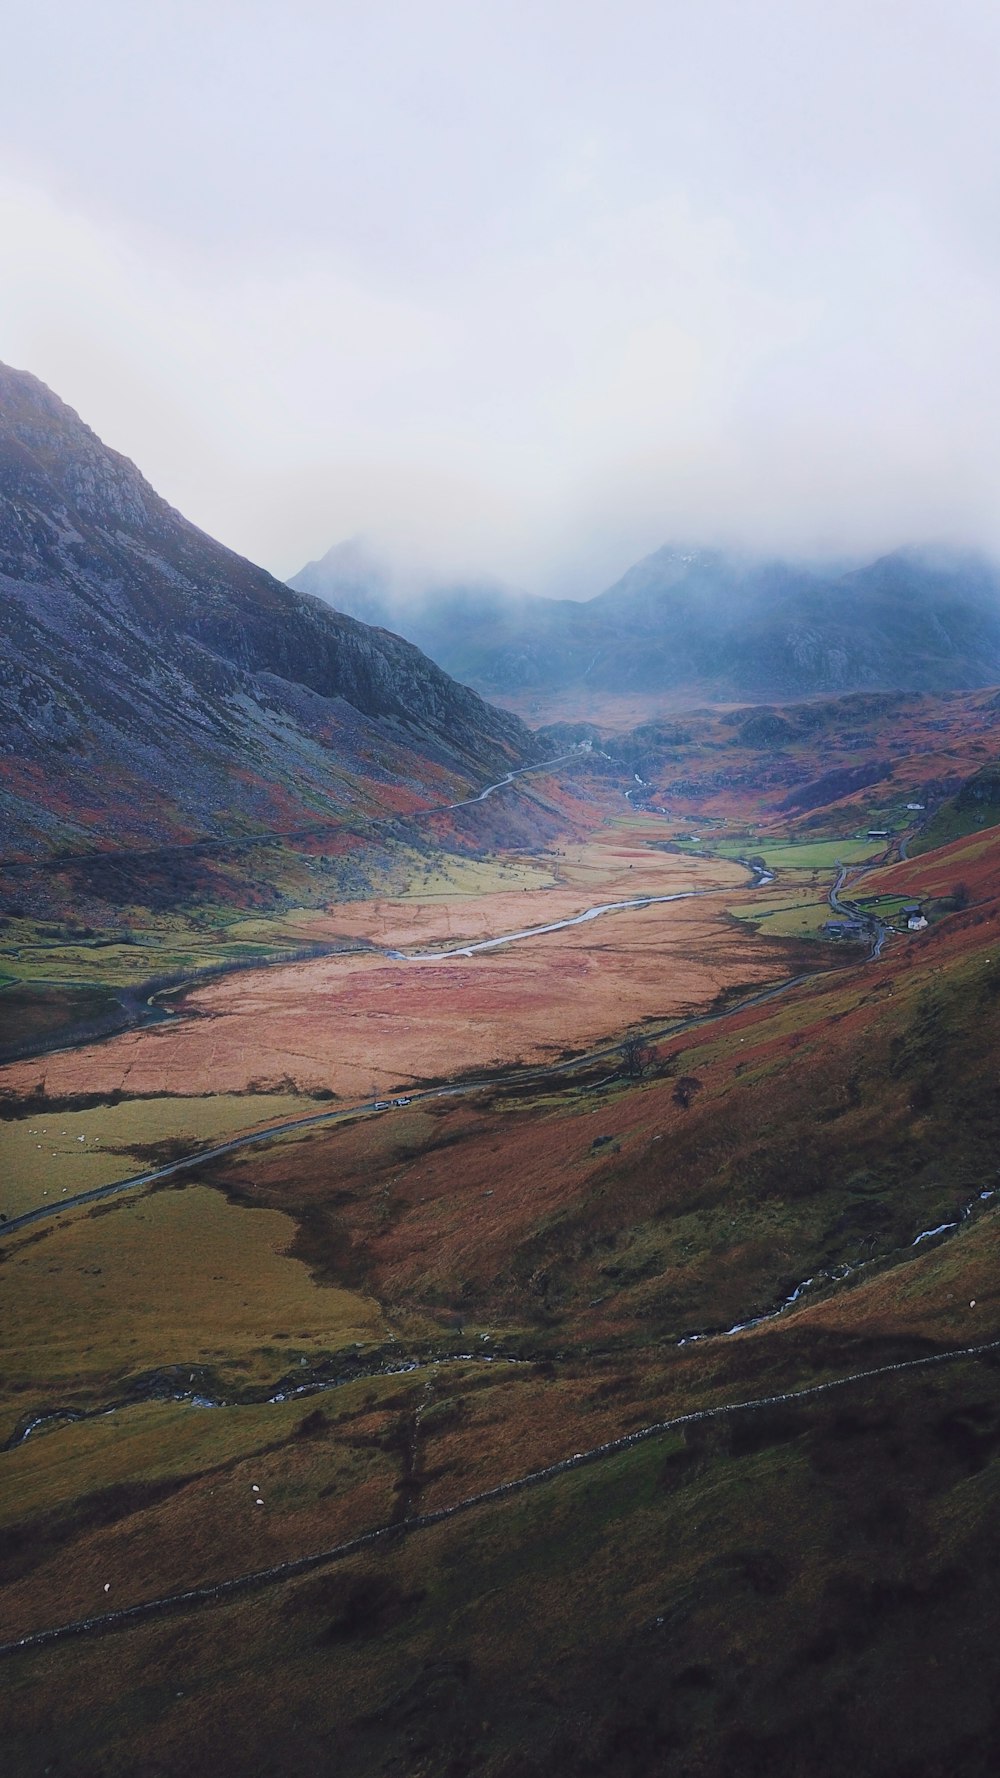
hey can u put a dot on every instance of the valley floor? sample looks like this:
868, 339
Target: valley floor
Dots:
383, 1017
782, 1560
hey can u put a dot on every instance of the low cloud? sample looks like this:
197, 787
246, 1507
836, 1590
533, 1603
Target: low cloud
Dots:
528, 301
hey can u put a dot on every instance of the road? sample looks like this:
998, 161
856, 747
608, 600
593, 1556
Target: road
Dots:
194, 1597
377, 1108
140, 1009
878, 931
272, 836
545, 766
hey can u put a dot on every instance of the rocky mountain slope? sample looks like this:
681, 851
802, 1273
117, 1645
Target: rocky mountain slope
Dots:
155, 685
491, 633
974, 806
914, 620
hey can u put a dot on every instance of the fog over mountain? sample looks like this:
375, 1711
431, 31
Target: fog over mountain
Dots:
523, 290
708, 620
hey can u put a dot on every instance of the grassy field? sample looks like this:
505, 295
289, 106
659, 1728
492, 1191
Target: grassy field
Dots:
888, 907
787, 916
97, 1299
55, 1153
158, 945
594, 1624
800, 855
59, 985
951, 823
373, 1023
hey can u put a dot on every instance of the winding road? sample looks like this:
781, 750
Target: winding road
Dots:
544, 765
243, 842
195, 1597
877, 929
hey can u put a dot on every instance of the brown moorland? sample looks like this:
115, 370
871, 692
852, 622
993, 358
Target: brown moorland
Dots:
357, 1022
781, 763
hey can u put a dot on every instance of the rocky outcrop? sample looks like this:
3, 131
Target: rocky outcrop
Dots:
982, 791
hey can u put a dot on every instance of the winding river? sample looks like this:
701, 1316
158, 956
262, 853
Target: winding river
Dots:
511, 938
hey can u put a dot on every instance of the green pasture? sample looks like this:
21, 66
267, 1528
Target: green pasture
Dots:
951, 823
167, 946
56, 979
787, 854
888, 907
785, 917
174, 1277
657, 1566
157, 1439
57, 1153
802, 855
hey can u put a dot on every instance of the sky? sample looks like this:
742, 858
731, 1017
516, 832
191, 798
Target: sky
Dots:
526, 288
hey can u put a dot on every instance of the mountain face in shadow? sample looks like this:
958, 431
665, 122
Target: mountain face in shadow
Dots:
493, 633
155, 684
917, 620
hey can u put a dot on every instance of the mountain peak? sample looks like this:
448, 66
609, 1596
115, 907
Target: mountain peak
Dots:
714, 621
46, 446
183, 686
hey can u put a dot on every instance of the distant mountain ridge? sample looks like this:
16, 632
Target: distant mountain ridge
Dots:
155, 685
915, 620
472, 621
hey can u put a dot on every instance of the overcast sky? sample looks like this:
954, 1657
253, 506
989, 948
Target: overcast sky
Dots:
529, 286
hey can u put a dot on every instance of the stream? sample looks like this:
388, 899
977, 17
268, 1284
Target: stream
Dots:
165, 1386
454, 1089
137, 1005
193, 1597
510, 938
840, 1274
760, 876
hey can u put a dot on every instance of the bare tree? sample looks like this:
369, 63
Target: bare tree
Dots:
637, 1056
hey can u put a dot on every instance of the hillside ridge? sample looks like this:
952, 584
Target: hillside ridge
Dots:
718, 622
155, 683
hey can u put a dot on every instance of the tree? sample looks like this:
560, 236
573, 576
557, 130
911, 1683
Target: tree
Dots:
685, 1090
637, 1056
